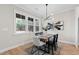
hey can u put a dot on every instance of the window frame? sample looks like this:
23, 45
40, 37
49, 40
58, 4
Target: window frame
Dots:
22, 13
30, 24
37, 24
26, 19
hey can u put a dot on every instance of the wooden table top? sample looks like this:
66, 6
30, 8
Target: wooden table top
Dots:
44, 38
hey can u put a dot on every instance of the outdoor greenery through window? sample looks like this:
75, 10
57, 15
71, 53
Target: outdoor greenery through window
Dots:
20, 23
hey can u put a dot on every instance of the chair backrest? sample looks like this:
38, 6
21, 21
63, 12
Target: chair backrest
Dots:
56, 37
39, 33
36, 41
53, 39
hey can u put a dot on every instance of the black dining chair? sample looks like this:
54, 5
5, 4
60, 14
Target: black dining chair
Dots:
39, 45
52, 43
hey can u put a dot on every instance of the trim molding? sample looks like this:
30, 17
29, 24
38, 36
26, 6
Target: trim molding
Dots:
73, 43
20, 44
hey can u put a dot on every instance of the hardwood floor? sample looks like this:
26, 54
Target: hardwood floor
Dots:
66, 49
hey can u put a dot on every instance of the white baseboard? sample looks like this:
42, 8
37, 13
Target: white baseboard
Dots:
67, 42
20, 44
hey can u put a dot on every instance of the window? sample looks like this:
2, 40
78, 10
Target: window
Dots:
20, 23
30, 24
37, 28
36, 25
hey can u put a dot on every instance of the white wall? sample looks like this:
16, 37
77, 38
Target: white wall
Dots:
68, 34
77, 25
7, 37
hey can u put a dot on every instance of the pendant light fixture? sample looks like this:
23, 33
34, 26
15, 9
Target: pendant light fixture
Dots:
46, 10
49, 24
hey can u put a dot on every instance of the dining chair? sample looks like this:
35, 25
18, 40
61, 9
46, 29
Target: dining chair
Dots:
52, 43
37, 44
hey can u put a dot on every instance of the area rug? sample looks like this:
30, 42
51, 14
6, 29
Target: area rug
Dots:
29, 52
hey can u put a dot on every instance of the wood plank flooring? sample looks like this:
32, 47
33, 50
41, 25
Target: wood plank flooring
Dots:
66, 49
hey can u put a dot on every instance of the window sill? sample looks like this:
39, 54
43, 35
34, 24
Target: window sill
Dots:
20, 32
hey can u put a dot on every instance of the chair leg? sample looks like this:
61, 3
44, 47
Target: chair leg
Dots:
52, 50
32, 51
55, 47
48, 49
44, 51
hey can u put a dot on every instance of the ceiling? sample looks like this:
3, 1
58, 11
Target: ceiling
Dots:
39, 10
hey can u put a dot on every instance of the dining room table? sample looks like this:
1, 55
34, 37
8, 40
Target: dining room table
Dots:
45, 38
